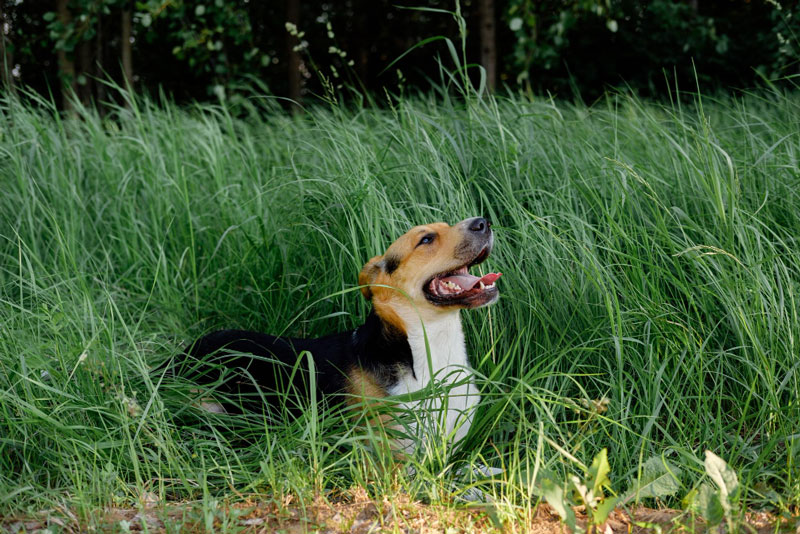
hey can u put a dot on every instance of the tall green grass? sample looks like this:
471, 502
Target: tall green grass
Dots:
649, 253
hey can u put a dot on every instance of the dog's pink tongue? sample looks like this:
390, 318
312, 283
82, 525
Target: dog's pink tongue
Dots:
467, 281
489, 279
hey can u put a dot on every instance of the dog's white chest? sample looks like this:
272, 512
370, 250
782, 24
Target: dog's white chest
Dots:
445, 414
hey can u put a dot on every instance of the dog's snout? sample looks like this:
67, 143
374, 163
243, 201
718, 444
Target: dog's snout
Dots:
479, 225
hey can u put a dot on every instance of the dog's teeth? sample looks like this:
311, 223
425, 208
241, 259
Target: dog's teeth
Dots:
451, 285
490, 286
482, 286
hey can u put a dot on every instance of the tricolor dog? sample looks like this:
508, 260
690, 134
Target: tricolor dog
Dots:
417, 288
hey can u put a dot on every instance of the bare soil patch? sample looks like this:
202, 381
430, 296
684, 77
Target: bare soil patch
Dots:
356, 513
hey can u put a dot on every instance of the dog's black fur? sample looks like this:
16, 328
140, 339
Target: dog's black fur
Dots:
252, 366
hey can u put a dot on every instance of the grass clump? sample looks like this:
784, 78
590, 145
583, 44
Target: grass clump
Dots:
648, 302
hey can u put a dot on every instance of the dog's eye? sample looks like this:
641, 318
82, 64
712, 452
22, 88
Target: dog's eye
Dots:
427, 238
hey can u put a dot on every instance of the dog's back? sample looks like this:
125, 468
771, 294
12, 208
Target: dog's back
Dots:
253, 367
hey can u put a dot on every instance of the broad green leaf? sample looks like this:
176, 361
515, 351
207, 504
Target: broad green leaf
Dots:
582, 492
706, 502
555, 496
722, 475
660, 478
598, 473
601, 512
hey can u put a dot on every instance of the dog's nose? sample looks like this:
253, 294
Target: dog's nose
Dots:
479, 225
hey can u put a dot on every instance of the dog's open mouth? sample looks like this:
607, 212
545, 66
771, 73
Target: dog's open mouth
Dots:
459, 288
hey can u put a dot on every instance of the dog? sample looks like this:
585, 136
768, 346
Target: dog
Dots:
412, 335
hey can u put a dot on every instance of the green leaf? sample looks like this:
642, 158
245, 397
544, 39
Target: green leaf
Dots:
659, 478
50, 16
706, 502
555, 496
722, 475
601, 512
582, 492
598, 473
725, 479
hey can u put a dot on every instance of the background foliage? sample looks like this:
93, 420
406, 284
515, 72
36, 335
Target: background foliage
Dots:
614, 41
206, 49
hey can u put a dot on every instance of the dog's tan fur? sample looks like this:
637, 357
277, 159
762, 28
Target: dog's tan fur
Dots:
399, 293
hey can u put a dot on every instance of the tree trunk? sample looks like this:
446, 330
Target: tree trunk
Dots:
84, 68
100, 85
66, 66
488, 42
293, 57
6, 57
127, 55
363, 35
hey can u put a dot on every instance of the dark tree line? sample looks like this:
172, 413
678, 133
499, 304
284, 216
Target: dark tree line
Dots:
209, 49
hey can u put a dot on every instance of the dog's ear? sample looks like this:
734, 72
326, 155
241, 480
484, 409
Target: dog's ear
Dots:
368, 274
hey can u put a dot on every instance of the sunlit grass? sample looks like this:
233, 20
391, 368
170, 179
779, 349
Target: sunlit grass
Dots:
649, 255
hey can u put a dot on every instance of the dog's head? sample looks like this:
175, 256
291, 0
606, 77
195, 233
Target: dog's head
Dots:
428, 269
